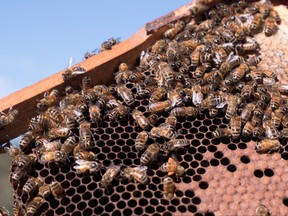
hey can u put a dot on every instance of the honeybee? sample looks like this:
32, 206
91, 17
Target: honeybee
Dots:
231, 62
150, 154
166, 72
258, 131
86, 84
256, 23
85, 134
284, 133
247, 112
248, 129
48, 100
60, 132
261, 210
184, 111
141, 140
84, 166
31, 184
213, 100
200, 71
188, 46
175, 98
165, 132
235, 125
55, 114
17, 174
107, 45
232, 102
197, 95
158, 94
136, 76
56, 156
253, 60
172, 32
118, 112
172, 51
8, 118
159, 46
276, 100
226, 34
221, 132
4, 211
170, 122
137, 174
71, 72
125, 94
111, 173
247, 47
25, 161
43, 144
140, 119
276, 118
247, 91
275, 15
33, 206
172, 167
168, 188
57, 190
95, 113
159, 106
240, 72
44, 191
85, 155
122, 76
174, 144
285, 121
268, 146
16, 209
12, 150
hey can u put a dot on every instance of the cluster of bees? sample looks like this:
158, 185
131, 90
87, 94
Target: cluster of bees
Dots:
208, 63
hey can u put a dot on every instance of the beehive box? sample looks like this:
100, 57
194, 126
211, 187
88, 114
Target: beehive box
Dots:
223, 176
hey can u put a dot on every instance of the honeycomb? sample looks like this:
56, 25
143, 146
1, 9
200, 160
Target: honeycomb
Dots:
223, 176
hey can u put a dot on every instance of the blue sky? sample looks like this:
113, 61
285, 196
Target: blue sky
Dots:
38, 37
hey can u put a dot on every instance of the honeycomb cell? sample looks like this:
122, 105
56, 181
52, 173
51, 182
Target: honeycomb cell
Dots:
87, 195
269, 172
231, 146
225, 161
60, 211
245, 159
44, 173
182, 208
88, 212
212, 148
60, 178
75, 182
93, 203
55, 203
126, 196
98, 210
202, 149
132, 203
98, 193
109, 207
231, 168
171, 208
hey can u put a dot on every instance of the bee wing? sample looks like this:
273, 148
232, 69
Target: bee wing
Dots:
269, 81
221, 105
78, 70
173, 159
71, 60
81, 162
141, 168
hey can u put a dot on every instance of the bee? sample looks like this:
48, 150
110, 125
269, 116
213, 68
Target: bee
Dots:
166, 72
44, 191
136, 76
48, 100
285, 121
253, 60
17, 174
60, 132
159, 106
261, 210
84, 166
172, 167
150, 154
220, 55
175, 98
85, 134
213, 100
231, 62
55, 114
248, 47
8, 118
276, 118
118, 112
150, 81
43, 144
141, 140
256, 23
256, 121
276, 100
137, 174
15, 209
107, 45
200, 71
125, 94
95, 113
247, 91
248, 129
188, 46
159, 46
158, 94
12, 150
247, 112
226, 34
258, 131
168, 188
240, 72
184, 111
111, 173
140, 119
172, 51
275, 15
235, 125
56, 156
34, 206
195, 58
172, 32
86, 84
197, 95
270, 131
232, 102
221, 132
85, 155
284, 133
32, 184
4, 211
72, 72
57, 190
112, 103
268, 146
25, 161
174, 144
170, 122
